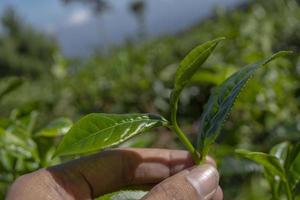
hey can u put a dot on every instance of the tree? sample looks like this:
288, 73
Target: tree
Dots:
137, 7
23, 50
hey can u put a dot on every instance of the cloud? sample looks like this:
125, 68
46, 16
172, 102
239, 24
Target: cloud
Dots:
79, 17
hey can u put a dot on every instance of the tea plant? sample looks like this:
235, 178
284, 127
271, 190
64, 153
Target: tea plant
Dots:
98, 131
281, 167
23, 147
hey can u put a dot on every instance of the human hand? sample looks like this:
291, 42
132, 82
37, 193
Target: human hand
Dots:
171, 171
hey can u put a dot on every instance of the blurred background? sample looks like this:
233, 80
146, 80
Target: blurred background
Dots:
62, 59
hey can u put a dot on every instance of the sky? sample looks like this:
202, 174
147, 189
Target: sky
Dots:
79, 30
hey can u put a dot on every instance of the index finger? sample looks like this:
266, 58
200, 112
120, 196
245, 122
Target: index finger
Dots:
111, 170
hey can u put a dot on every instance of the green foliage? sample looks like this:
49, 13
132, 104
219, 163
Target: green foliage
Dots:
189, 65
270, 162
57, 127
8, 85
184, 73
21, 151
266, 114
221, 102
98, 131
281, 168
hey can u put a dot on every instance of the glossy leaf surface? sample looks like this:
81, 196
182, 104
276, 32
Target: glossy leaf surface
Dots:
221, 101
56, 128
97, 131
269, 162
281, 151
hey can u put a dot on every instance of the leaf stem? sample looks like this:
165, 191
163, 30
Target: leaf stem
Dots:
181, 135
288, 190
203, 155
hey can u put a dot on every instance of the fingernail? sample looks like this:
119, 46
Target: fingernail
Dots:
205, 180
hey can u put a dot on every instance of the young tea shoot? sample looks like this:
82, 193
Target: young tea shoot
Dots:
98, 131
221, 101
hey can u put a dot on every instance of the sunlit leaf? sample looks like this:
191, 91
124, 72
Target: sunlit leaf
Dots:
269, 162
141, 141
98, 131
57, 127
221, 101
280, 151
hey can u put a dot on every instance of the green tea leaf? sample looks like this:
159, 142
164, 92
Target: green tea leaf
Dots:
293, 154
269, 162
292, 165
221, 101
17, 144
189, 66
274, 183
212, 77
97, 131
124, 195
57, 127
294, 173
281, 151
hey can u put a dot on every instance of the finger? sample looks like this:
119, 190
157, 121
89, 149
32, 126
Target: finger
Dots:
199, 183
218, 195
113, 169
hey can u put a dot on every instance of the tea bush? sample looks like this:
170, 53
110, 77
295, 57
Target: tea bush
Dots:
138, 78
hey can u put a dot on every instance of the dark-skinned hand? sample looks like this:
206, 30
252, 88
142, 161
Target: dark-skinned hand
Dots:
172, 174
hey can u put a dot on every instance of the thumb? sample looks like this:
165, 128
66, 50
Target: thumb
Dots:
200, 182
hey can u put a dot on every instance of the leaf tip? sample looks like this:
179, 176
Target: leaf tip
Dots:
277, 55
281, 54
241, 151
219, 39
158, 117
